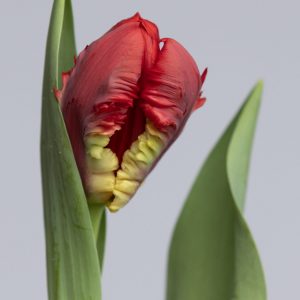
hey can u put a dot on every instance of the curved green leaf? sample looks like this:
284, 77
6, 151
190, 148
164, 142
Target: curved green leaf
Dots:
72, 262
212, 254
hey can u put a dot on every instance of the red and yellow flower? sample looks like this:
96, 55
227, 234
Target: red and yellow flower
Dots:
124, 103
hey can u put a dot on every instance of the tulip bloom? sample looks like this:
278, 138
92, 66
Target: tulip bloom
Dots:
124, 103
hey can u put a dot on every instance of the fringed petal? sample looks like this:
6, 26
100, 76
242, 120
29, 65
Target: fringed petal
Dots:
171, 88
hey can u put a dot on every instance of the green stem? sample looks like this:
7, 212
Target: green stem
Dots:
98, 219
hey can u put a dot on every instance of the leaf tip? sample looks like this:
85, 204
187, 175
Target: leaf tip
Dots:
258, 88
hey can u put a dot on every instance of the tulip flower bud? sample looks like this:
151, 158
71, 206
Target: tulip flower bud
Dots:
124, 103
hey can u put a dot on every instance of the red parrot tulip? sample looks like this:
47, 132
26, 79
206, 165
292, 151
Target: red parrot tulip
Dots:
124, 103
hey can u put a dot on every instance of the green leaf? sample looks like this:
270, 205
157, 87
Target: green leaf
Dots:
72, 261
212, 254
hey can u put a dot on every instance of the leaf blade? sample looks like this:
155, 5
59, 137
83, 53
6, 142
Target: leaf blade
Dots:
237, 169
207, 258
72, 262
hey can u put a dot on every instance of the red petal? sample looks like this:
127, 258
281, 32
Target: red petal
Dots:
105, 81
199, 102
203, 76
171, 88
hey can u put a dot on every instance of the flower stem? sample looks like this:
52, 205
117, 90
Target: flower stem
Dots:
98, 219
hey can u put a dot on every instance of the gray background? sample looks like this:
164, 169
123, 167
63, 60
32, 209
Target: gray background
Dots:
240, 42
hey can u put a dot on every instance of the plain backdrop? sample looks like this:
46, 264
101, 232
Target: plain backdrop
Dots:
240, 42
